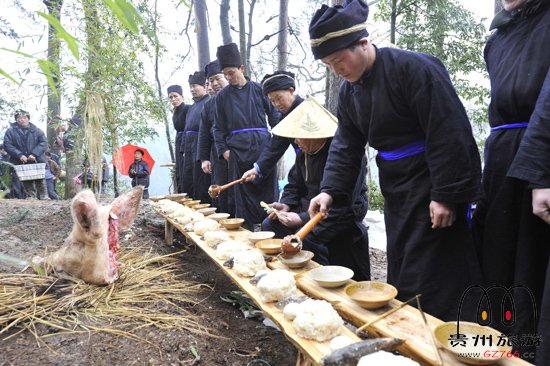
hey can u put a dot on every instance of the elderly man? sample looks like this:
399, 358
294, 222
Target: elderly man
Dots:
26, 144
195, 181
404, 105
241, 134
206, 149
280, 88
341, 238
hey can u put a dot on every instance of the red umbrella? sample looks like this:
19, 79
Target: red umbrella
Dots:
125, 157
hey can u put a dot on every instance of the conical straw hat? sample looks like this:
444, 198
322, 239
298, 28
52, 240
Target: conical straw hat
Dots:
310, 120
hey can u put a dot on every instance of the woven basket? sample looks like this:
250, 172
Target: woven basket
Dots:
30, 171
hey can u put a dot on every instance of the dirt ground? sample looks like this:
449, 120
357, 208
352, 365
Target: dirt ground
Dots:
27, 228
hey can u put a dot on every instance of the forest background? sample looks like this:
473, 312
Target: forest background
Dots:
107, 63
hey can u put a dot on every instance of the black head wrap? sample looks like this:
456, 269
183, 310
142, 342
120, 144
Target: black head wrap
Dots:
229, 56
198, 77
213, 68
175, 89
279, 80
337, 27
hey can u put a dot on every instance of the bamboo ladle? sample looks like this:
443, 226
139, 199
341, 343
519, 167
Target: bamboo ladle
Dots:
214, 190
292, 244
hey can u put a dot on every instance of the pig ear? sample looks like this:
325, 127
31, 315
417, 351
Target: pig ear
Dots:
84, 207
126, 207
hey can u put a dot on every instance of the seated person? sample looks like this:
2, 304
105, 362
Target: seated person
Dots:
341, 238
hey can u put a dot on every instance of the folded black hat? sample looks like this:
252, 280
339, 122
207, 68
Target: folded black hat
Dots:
228, 55
175, 89
21, 112
279, 80
213, 68
337, 27
198, 77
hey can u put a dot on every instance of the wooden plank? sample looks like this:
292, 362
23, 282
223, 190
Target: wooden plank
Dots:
168, 232
313, 349
405, 323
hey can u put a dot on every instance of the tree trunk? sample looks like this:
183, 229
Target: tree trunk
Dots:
282, 44
249, 38
54, 45
242, 36
393, 21
159, 90
224, 22
201, 29
498, 6
332, 87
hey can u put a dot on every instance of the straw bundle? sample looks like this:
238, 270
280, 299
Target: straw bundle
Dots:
93, 129
149, 293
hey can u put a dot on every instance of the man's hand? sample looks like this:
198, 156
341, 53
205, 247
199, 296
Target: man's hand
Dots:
321, 202
442, 214
541, 203
206, 167
226, 155
250, 175
279, 207
23, 159
32, 158
293, 220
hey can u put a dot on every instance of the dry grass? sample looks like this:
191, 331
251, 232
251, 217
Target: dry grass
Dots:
149, 293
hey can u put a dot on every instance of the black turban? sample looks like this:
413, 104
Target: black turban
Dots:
229, 56
198, 77
337, 27
175, 89
279, 80
213, 68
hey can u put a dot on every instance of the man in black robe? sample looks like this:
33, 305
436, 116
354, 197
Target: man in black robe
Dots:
195, 181
404, 105
341, 238
175, 94
279, 88
516, 173
241, 133
206, 149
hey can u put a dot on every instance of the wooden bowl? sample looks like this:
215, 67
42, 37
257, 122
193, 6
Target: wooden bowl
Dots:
207, 210
191, 203
297, 260
232, 224
371, 294
219, 216
487, 354
270, 246
200, 205
331, 276
260, 235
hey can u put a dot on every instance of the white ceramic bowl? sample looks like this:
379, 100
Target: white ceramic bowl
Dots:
331, 276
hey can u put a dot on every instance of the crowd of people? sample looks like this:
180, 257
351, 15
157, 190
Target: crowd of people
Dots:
404, 105
34, 167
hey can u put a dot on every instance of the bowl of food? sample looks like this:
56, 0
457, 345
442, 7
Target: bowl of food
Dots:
219, 216
260, 235
331, 276
232, 224
371, 294
191, 203
461, 343
200, 205
270, 246
297, 260
206, 211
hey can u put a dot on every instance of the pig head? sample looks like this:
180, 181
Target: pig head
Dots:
90, 251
